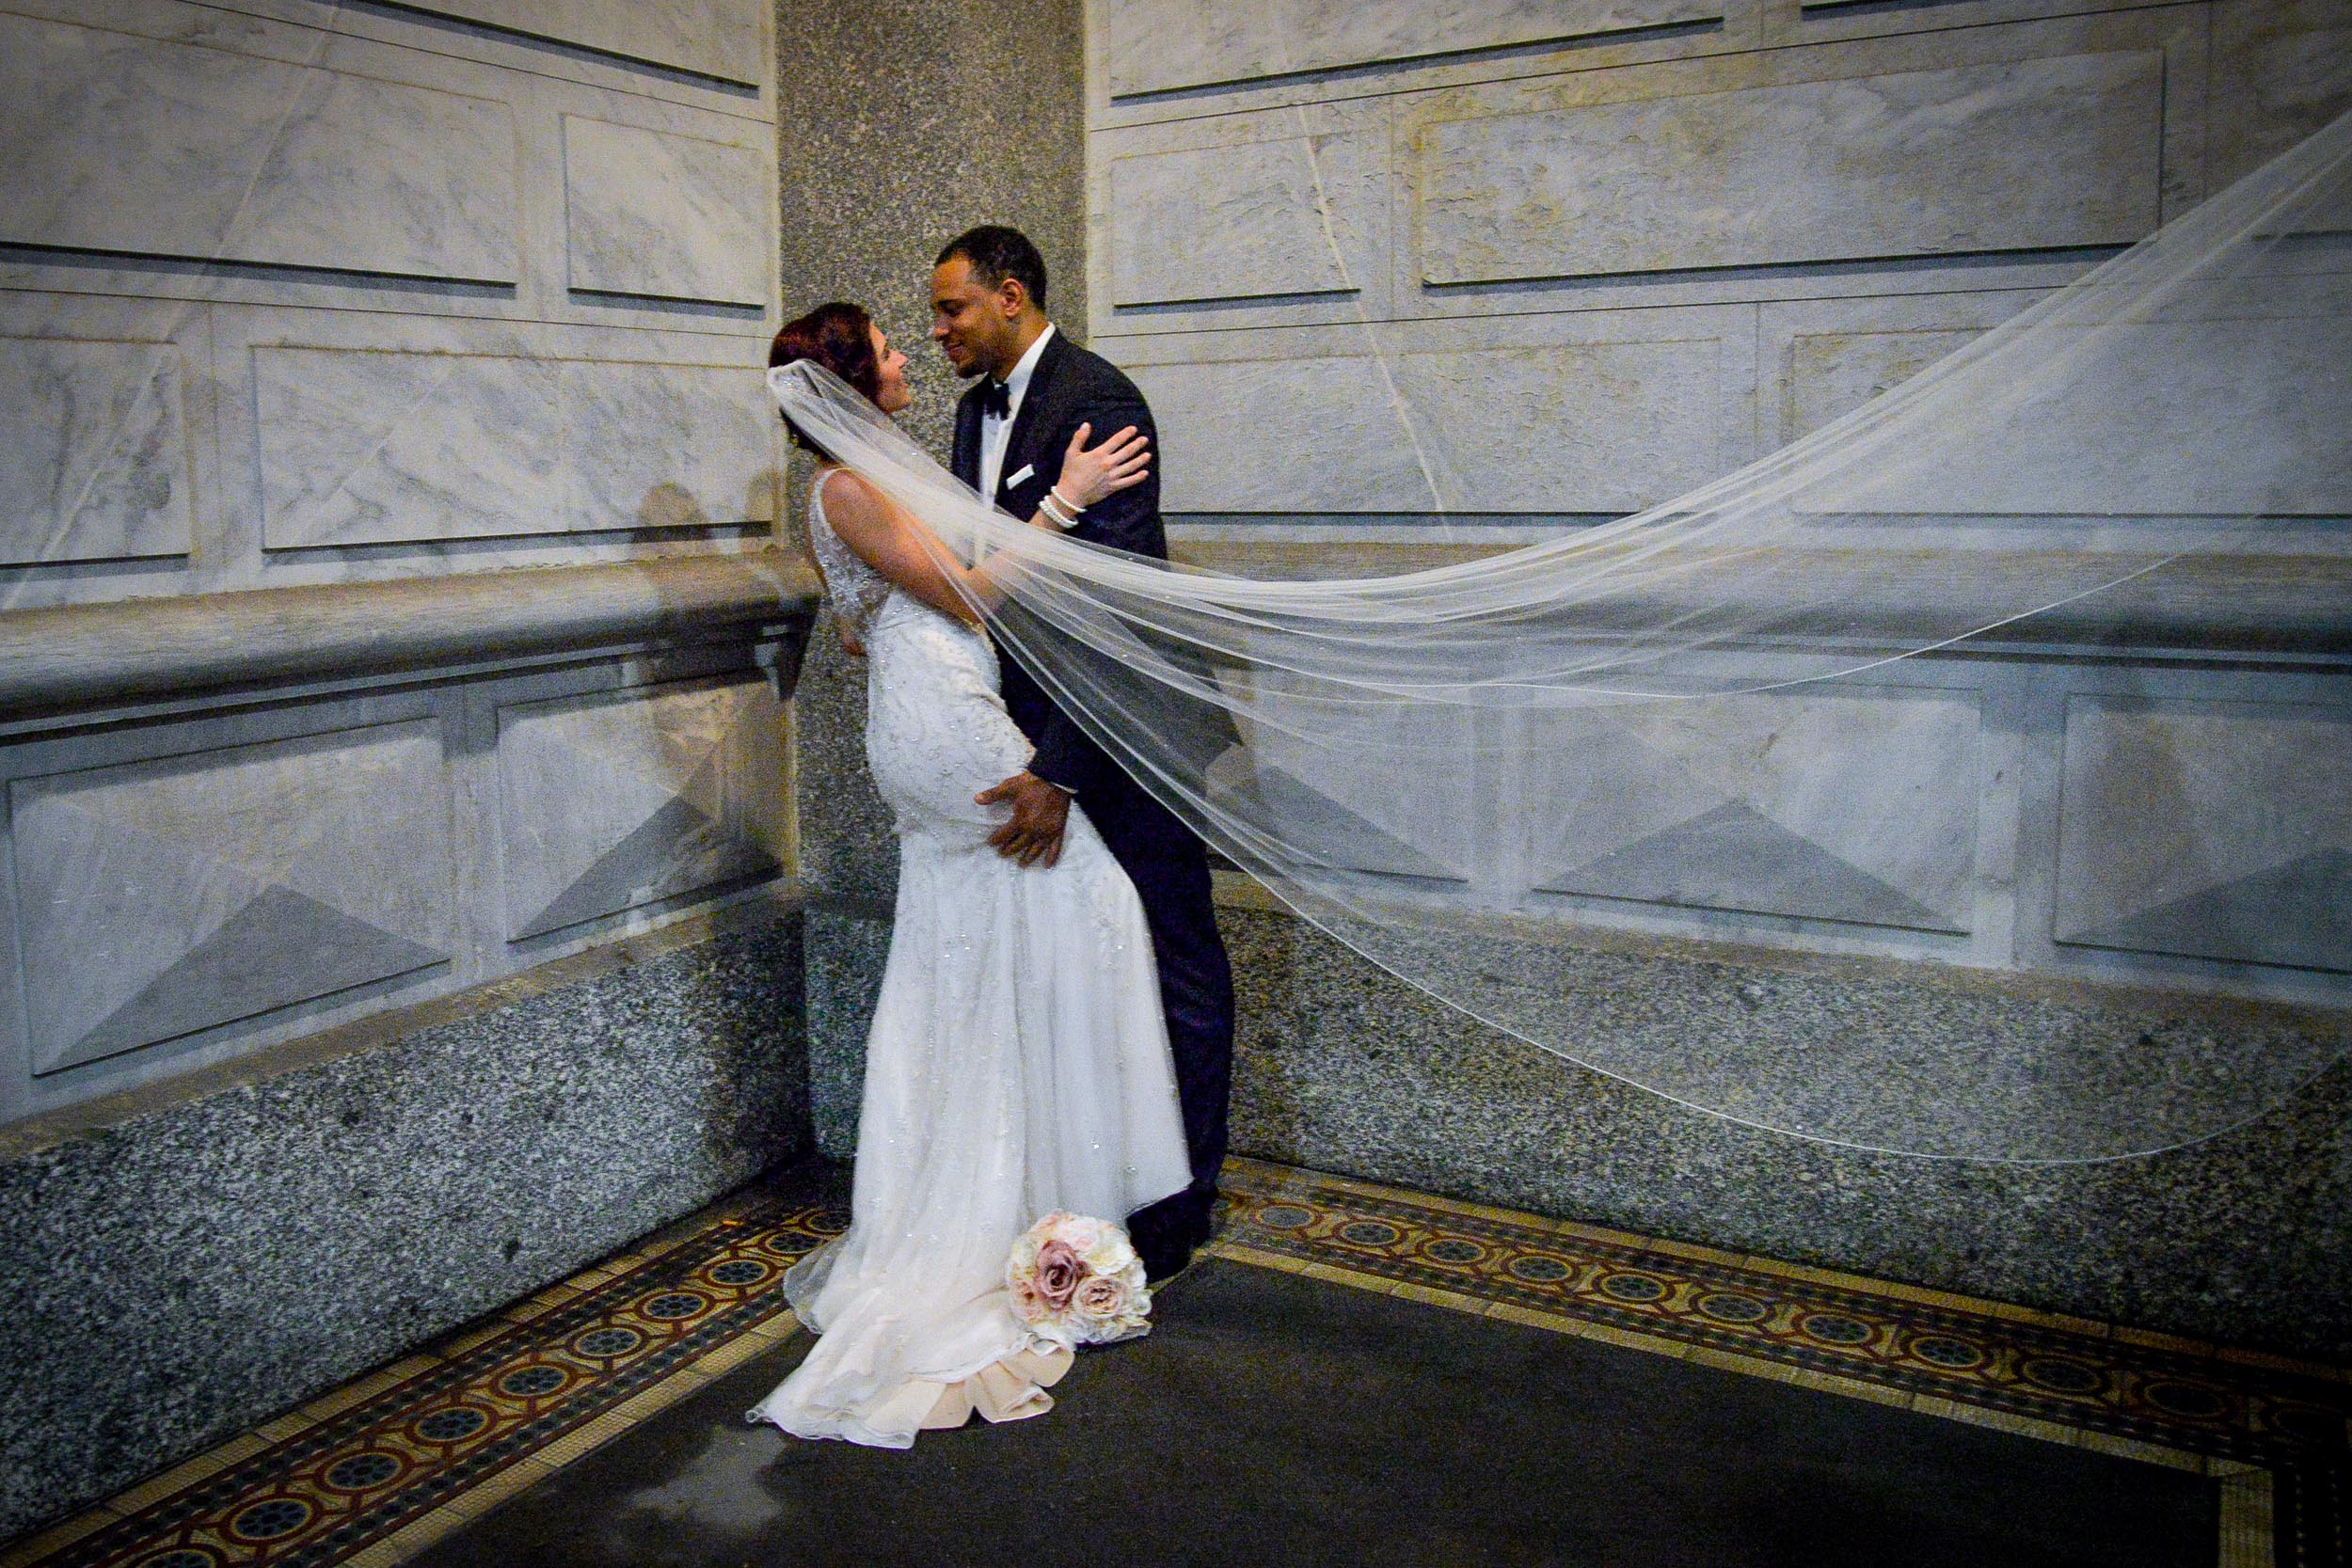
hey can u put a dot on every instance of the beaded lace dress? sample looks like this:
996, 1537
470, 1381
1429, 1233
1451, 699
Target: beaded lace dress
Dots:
1018, 1062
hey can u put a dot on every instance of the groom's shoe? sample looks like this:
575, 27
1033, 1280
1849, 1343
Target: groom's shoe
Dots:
1164, 1262
1165, 1247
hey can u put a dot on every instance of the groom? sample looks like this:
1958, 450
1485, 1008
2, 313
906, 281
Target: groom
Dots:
1033, 388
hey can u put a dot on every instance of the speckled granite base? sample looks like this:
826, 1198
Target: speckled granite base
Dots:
846, 953
2247, 1239
189, 1270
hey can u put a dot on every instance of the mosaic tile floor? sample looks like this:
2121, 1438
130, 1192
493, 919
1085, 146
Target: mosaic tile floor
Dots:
376, 1471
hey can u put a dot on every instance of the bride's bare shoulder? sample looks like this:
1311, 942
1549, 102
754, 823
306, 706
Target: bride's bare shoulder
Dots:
844, 487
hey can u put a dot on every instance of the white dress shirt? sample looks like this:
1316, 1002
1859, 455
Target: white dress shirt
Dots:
996, 433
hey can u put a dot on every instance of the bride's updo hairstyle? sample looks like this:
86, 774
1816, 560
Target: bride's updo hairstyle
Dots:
839, 336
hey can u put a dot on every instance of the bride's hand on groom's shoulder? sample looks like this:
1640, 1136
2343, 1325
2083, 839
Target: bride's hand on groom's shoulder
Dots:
1121, 461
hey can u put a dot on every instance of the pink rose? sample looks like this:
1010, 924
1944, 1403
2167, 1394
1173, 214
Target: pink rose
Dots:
1058, 1271
1102, 1296
1027, 1304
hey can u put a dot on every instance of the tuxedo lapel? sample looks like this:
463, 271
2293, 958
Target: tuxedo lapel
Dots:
1033, 416
965, 463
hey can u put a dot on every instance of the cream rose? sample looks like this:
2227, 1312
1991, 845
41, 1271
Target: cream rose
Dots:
1102, 1295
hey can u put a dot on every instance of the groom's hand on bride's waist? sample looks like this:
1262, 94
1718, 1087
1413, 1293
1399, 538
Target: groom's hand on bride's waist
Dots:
1032, 835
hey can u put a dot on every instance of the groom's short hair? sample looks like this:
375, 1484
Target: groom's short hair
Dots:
996, 253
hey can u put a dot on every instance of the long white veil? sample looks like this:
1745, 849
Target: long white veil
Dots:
1399, 759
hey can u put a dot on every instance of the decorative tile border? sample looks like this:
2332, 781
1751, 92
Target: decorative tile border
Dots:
369, 1474
2272, 1432
373, 1473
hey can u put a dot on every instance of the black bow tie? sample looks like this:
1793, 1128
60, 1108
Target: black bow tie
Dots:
996, 399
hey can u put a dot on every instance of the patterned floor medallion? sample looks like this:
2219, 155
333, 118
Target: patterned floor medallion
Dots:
372, 1475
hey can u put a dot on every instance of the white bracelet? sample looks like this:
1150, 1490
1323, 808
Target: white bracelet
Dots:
1071, 507
1051, 504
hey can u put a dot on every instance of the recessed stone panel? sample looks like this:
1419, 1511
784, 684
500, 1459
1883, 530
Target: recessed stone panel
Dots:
1470, 429
96, 464
662, 216
365, 446
711, 38
162, 897
2212, 830
1832, 374
2024, 155
128, 145
377, 447
621, 799
1157, 45
1860, 809
1222, 223
2282, 69
668, 446
2237, 415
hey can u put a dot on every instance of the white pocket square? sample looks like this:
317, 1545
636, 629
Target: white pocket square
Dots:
1026, 469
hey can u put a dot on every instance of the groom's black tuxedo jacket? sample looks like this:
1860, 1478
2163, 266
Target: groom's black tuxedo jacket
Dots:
1068, 388
1169, 868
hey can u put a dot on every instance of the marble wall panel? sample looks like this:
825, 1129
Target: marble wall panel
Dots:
1449, 422
616, 800
96, 466
361, 446
1831, 373
1353, 796
1853, 807
1282, 434
663, 215
2207, 829
1817, 22
1222, 223
723, 39
163, 896
1282, 218
1157, 45
2248, 417
668, 446
1820, 360
2062, 151
128, 145
2282, 69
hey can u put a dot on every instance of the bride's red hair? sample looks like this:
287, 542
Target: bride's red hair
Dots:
840, 337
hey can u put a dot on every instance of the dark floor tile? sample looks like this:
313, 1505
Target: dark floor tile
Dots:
1279, 1420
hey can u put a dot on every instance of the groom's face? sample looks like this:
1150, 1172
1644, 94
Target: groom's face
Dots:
975, 326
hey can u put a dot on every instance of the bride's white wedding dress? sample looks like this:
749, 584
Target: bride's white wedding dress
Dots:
1018, 1063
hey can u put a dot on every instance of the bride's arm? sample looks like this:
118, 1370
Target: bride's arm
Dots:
911, 557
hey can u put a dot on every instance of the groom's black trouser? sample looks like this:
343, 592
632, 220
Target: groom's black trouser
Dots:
1170, 871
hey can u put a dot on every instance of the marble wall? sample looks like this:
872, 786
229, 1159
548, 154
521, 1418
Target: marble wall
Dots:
323, 293
187, 889
307, 295
1515, 267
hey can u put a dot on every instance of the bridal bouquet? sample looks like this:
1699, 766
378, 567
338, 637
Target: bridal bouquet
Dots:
1078, 1281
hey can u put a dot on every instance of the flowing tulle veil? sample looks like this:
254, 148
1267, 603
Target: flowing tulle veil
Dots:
1397, 758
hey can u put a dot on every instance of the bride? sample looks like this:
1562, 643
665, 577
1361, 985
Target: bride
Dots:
1018, 1064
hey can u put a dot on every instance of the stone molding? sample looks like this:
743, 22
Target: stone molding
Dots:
79, 655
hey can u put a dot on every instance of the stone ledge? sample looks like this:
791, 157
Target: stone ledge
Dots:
81, 655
